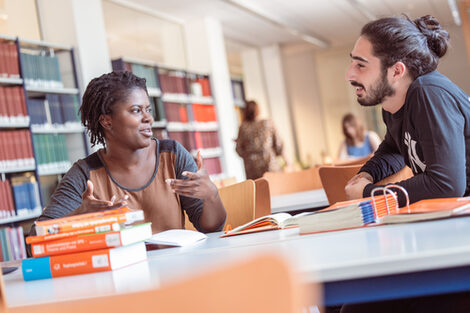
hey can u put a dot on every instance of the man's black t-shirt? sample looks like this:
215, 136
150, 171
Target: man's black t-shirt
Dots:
430, 134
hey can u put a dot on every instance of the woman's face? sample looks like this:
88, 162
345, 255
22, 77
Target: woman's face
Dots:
130, 123
350, 129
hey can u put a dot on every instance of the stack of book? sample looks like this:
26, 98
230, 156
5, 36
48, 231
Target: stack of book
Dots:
87, 243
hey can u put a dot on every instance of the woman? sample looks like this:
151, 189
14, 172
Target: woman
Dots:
358, 142
258, 143
158, 176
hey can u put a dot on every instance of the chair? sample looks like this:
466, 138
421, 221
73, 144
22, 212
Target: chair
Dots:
357, 161
239, 202
334, 179
262, 198
259, 284
290, 182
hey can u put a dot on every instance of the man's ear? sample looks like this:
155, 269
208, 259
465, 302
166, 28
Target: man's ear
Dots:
105, 121
398, 71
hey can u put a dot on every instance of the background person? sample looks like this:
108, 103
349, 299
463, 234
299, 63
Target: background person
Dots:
358, 142
258, 143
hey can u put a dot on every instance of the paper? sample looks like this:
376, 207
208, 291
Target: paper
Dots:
177, 237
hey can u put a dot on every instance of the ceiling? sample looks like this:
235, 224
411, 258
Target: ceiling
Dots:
266, 22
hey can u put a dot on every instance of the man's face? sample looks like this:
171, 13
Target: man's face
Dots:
366, 74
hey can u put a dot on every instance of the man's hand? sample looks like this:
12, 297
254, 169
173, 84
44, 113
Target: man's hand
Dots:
355, 187
198, 185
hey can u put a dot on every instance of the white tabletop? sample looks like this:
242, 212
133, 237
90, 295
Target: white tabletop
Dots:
310, 199
325, 257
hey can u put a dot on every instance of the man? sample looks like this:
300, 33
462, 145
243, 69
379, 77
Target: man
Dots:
427, 116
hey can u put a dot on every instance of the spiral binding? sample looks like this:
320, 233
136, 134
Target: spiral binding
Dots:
387, 189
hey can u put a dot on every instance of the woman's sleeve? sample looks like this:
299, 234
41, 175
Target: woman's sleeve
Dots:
192, 206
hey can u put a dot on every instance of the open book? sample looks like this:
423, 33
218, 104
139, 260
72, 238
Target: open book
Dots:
176, 237
347, 214
268, 222
428, 209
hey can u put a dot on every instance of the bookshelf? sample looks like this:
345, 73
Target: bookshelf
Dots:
183, 106
40, 131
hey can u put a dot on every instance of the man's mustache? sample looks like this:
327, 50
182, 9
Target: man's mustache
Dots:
356, 84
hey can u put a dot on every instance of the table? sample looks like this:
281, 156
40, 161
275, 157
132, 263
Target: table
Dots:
311, 199
365, 264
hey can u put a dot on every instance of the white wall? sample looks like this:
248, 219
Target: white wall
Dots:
304, 97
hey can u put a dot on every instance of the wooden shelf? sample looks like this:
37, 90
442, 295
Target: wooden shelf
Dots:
20, 218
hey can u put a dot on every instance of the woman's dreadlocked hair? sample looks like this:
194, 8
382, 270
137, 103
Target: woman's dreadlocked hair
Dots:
101, 94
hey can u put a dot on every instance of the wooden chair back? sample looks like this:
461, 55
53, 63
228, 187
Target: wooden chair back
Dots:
3, 305
239, 202
262, 284
334, 179
262, 198
290, 182
357, 161
243, 202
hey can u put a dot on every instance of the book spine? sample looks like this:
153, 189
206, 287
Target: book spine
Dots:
36, 239
101, 224
83, 216
66, 264
77, 244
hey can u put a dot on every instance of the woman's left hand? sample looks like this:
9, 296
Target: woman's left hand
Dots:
198, 185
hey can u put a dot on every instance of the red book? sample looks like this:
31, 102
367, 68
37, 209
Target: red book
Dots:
3, 103
13, 60
9, 198
3, 59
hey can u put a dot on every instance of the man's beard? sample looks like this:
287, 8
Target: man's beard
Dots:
376, 94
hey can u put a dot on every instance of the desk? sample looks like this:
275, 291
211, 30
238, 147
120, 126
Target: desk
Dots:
311, 199
357, 265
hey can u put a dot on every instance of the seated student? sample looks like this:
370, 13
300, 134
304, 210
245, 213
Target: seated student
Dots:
158, 176
358, 142
427, 116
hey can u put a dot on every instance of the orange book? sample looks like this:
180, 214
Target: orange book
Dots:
101, 223
429, 209
82, 216
93, 241
83, 262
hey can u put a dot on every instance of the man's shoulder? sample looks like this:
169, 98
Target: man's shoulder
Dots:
433, 79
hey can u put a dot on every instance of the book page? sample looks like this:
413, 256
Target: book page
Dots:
177, 237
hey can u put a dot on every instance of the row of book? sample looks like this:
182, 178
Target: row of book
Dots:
204, 113
20, 197
87, 243
213, 165
51, 151
146, 72
200, 86
12, 244
16, 149
41, 70
13, 105
173, 82
54, 109
195, 140
9, 66
178, 112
